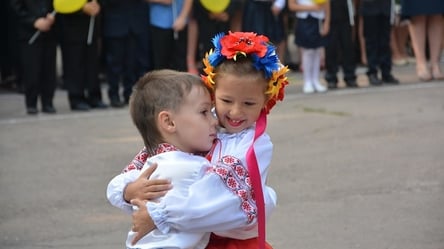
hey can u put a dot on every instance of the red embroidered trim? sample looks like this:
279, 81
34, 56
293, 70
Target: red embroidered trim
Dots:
236, 178
140, 159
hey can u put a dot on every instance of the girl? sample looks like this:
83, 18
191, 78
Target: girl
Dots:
247, 80
313, 24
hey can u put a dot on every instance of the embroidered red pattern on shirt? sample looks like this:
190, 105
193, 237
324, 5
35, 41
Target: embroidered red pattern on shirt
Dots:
140, 159
236, 178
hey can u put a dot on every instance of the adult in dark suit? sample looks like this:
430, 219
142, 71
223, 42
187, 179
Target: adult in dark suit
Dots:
377, 24
125, 36
37, 59
80, 57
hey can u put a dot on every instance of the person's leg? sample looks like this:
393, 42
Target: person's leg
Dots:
348, 55
384, 55
331, 56
316, 69
397, 58
307, 64
91, 65
48, 76
74, 72
417, 28
114, 55
362, 41
371, 34
402, 36
30, 61
434, 34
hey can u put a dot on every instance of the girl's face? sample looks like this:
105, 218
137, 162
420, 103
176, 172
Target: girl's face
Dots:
195, 124
238, 101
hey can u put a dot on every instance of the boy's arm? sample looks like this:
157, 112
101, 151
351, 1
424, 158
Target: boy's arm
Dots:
218, 202
129, 185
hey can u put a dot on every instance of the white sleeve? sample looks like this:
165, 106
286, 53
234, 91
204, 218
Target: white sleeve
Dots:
116, 187
212, 205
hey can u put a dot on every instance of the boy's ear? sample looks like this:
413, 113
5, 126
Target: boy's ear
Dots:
165, 121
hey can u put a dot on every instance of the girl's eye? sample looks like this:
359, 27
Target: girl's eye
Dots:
249, 103
226, 100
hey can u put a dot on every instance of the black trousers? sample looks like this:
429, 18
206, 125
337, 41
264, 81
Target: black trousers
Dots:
80, 71
38, 65
339, 52
168, 52
377, 44
126, 58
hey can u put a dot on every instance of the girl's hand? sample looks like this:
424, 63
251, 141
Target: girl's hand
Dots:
144, 189
325, 29
142, 222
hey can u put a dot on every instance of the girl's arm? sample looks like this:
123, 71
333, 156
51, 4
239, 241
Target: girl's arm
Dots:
326, 25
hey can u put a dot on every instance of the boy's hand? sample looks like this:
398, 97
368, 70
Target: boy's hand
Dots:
142, 222
144, 189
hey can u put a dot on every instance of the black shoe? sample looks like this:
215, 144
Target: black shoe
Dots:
116, 103
351, 84
390, 80
81, 106
32, 110
332, 85
98, 104
373, 80
49, 109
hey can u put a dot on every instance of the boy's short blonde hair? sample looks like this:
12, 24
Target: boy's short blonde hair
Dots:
158, 91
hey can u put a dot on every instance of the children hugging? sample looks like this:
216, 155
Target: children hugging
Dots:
220, 199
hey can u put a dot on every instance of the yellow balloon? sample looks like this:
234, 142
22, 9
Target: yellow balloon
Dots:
319, 1
68, 6
215, 6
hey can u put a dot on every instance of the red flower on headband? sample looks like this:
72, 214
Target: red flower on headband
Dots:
243, 43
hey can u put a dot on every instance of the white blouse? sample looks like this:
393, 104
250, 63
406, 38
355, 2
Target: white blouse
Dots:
320, 14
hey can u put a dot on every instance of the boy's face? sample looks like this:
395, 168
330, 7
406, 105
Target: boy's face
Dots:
239, 101
195, 124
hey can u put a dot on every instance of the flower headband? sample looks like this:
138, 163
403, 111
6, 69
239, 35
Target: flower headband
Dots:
263, 53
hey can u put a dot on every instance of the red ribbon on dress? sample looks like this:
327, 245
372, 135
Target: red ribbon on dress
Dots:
255, 177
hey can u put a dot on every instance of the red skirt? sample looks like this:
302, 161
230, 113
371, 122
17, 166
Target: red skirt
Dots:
217, 242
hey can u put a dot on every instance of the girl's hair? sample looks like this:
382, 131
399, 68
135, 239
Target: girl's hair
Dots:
158, 91
242, 67
242, 53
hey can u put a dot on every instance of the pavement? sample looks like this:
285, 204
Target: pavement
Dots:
353, 168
